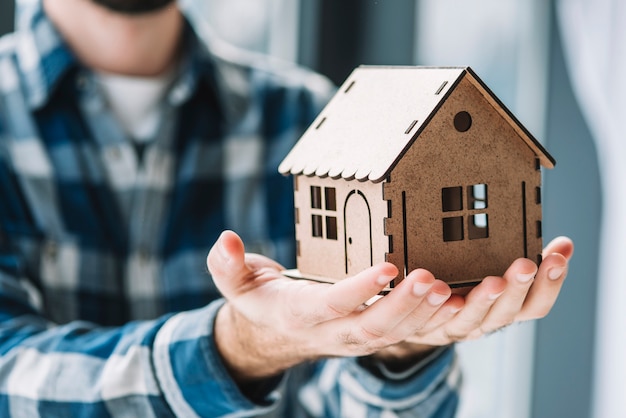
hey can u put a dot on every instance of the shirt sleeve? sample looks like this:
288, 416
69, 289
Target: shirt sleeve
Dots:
341, 387
161, 368
165, 367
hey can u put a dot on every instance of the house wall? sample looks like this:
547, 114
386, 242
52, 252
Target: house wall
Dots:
324, 258
490, 153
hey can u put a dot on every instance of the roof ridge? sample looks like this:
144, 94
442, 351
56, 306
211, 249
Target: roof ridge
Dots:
392, 111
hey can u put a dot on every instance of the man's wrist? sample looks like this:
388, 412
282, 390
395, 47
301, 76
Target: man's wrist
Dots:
249, 352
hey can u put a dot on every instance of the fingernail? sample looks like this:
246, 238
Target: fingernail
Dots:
525, 277
222, 251
555, 272
436, 299
382, 280
495, 296
455, 310
420, 289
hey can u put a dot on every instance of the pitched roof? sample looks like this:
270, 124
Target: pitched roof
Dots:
389, 103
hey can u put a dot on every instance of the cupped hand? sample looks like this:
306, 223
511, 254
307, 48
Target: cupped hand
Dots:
270, 323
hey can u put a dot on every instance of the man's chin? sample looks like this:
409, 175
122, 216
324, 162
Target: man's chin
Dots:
134, 7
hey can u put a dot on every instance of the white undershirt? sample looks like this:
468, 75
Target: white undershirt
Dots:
135, 101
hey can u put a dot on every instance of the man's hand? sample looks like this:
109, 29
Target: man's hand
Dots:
525, 292
270, 323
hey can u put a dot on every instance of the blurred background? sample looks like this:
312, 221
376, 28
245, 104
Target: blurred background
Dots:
556, 65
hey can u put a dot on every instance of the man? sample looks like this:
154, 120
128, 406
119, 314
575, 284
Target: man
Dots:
126, 148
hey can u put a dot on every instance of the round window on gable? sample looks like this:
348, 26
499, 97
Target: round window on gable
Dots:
462, 121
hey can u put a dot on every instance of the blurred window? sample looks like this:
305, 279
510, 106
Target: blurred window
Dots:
265, 26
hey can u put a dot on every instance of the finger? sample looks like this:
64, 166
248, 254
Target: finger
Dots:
315, 303
519, 277
374, 327
421, 316
226, 263
388, 312
560, 245
477, 304
258, 262
444, 314
545, 290
347, 295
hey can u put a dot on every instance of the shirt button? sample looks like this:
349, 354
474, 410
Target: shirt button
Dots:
179, 93
115, 153
51, 250
143, 255
81, 82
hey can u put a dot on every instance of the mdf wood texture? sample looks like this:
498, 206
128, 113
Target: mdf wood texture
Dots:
426, 168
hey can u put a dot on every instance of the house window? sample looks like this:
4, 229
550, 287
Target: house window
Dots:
452, 199
331, 198
477, 226
474, 215
324, 220
316, 225
453, 229
316, 197
462, 121
477, 196
331, 227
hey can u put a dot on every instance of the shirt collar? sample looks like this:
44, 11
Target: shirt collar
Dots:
204, 62
42, 55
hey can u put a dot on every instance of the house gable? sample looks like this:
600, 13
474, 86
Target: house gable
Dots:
461, 241
542, 154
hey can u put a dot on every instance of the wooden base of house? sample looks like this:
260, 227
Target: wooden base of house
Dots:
295, 274
457, 288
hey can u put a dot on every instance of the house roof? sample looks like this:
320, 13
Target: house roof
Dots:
390, 103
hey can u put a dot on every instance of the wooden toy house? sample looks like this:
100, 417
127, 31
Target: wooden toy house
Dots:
421, 167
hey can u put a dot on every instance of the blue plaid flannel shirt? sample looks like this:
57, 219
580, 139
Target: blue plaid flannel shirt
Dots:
106, 307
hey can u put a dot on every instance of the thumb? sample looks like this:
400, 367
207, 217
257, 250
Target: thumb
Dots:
226, 263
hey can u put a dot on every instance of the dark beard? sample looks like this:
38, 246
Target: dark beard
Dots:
133, 7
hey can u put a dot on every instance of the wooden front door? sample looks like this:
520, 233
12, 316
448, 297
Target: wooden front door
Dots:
358, 233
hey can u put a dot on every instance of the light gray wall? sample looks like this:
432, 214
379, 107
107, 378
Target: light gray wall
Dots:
572, 206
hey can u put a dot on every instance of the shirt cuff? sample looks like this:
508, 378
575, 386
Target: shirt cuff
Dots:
379, 369
191, 373
435, 377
